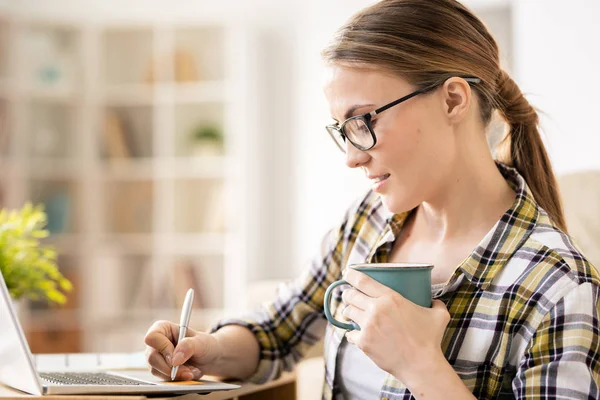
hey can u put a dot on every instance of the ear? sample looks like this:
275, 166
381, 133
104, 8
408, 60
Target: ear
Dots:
456, 94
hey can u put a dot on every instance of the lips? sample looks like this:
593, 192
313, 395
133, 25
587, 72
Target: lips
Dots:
378, 178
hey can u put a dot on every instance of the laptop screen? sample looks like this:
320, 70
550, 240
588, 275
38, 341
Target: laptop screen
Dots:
16, 366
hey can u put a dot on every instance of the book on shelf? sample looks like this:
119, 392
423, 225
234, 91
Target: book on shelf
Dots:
116, 142
140, 287
214, 213
131, 205
109, 299
184, 67
185, 274
57, 206
182, 275
4, 130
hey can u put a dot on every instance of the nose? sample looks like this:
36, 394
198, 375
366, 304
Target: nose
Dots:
355, 157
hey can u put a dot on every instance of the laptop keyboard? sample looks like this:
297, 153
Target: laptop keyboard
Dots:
86, 378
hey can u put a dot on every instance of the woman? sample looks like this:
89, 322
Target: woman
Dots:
412, 86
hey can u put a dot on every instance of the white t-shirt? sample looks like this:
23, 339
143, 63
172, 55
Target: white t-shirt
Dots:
358, 377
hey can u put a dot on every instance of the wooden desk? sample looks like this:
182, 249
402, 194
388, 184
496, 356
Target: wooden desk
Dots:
283, 388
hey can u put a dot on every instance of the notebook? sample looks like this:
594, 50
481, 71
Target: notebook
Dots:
19, 368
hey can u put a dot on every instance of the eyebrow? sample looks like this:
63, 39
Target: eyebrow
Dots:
352, 109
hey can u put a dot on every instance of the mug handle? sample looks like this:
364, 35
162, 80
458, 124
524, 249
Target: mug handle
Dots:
335, 322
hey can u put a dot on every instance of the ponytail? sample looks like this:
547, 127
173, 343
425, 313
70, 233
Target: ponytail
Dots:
523, 148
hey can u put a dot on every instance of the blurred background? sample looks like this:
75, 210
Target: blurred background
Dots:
180, 144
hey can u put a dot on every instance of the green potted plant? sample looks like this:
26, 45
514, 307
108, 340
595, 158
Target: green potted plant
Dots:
207, 140
28, 267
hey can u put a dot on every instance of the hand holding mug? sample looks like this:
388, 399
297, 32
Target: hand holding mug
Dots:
399, 335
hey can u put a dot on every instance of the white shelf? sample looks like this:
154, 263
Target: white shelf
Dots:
128, 168
213, 167
143, 94
167, 244
186, 244
140, 318
63, 319
106, 143
63, 94
134, 94
199, 92
65, 243
206, 167
53, 168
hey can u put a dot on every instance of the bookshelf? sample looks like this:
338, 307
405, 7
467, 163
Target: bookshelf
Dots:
99, 121
124, 74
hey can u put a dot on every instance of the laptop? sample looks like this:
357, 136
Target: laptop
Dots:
18, 369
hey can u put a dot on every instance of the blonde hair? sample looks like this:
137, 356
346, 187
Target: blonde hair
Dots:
427, 41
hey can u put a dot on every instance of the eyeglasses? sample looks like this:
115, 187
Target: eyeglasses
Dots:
359, 130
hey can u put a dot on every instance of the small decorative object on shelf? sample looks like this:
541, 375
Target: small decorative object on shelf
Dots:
50, 62
207, 140
29, 269
185, 66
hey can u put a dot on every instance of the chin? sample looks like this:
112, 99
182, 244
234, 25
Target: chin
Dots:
397, 204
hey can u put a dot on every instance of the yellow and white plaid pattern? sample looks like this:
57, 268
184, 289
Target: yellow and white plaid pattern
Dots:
524, 306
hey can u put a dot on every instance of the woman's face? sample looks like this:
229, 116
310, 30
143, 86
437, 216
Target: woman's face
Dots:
415, 145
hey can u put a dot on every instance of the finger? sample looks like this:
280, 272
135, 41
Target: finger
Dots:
187, 372
356, 298
159, 374
183, 374
353, 337
158, 362
184, 350
196, 373
365, 283
443, 315
355, 314
438, 305
161, 336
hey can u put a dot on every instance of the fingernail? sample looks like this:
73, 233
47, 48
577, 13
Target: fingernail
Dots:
177, 359
187, 376
168, 358
196, 372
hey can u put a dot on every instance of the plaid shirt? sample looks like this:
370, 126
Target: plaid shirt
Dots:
524, 306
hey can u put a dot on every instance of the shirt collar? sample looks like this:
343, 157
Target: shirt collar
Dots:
507, 235
502, 241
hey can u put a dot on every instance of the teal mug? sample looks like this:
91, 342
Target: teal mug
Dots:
411, 280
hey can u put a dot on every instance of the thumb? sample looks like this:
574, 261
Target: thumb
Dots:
441, 312
184, 350
203, 348
438, 305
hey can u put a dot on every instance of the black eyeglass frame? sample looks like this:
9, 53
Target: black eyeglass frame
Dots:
369, 116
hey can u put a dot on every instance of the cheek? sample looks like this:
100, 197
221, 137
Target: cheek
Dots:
398, 139
428, 142
415, 153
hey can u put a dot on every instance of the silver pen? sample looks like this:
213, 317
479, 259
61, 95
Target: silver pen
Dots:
184, 321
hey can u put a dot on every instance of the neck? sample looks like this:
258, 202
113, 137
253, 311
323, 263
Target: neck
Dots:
474, 196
